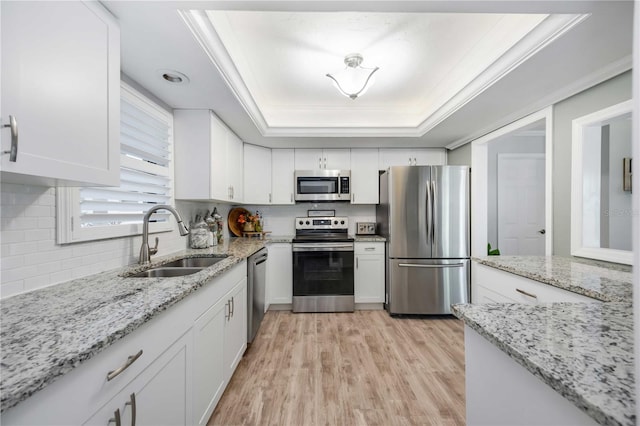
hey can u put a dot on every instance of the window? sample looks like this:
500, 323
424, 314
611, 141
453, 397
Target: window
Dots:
146, 179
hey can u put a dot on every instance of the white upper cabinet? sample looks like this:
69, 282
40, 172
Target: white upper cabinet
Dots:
257, 174
282, 168
235, 164
311, 159
208, 158
411, 157
364, 176
61, 86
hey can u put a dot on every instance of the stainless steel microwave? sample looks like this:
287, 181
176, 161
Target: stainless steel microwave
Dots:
322, 185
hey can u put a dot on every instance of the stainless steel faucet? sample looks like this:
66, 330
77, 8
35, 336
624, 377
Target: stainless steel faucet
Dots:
145, 250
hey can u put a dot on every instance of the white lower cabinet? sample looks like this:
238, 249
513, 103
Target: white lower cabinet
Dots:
369, 272
491, 285
219, 341
157, 396
208, 361
176, 366
235, 330
280, 274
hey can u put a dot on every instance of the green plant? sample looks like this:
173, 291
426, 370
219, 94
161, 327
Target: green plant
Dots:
494, 252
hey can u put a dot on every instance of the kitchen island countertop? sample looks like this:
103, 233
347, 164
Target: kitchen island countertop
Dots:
584, 351
48, 332
608, 282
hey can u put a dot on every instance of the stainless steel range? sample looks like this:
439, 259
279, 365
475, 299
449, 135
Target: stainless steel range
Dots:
322, 265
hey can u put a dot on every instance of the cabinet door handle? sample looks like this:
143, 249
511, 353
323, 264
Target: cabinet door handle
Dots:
357, 263
13, 152
526, 293
292, 197
130, 360
116, 418
233, 306
269, 198
320, 162
132, 403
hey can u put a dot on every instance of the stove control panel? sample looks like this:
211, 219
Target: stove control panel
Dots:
329, 223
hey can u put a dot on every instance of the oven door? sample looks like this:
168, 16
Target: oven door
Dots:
323, 277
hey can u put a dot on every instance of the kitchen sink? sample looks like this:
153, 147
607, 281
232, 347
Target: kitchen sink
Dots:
194, 262
164, 272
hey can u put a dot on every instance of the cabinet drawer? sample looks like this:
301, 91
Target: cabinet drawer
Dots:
520, 289
369, 248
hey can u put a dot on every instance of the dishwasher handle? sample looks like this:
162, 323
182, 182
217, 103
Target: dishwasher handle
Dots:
261, 259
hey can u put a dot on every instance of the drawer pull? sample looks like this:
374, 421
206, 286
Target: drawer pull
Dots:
130, 360
132, 403
116, 418
526, 293
369, 248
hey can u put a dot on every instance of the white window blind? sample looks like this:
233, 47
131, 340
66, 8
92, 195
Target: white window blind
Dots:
145, 178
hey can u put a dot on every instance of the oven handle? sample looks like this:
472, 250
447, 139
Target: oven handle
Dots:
322, 247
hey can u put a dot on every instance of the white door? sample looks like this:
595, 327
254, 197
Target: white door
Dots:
521, 208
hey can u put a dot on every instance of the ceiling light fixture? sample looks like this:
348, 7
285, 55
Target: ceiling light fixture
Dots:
353, 80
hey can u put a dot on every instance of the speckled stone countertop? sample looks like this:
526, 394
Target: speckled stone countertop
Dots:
280, 238
369, 239
608, 282
584, 351
48, 332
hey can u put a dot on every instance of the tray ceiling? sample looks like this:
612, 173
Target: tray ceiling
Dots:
262, 68
430, 64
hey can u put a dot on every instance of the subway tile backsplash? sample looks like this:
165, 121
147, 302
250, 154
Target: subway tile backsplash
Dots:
31, 258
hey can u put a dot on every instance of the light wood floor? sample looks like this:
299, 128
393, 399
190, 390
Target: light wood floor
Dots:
362, 368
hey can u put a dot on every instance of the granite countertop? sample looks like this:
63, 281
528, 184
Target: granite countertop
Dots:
280, 238
584, 351
369, 239
608, 282
48, 332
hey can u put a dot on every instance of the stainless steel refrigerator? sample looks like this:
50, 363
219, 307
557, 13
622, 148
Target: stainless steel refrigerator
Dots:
424, 215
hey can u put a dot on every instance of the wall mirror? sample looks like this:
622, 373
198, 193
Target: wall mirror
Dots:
601, 201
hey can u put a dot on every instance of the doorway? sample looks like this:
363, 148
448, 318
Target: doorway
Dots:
511, 188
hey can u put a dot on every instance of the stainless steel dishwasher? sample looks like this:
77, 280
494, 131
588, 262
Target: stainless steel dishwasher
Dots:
256, 282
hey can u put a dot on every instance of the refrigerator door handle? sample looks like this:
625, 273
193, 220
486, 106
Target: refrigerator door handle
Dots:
417, 265
428, 212
433, 212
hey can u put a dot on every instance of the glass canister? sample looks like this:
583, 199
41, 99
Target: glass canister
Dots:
199, 235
